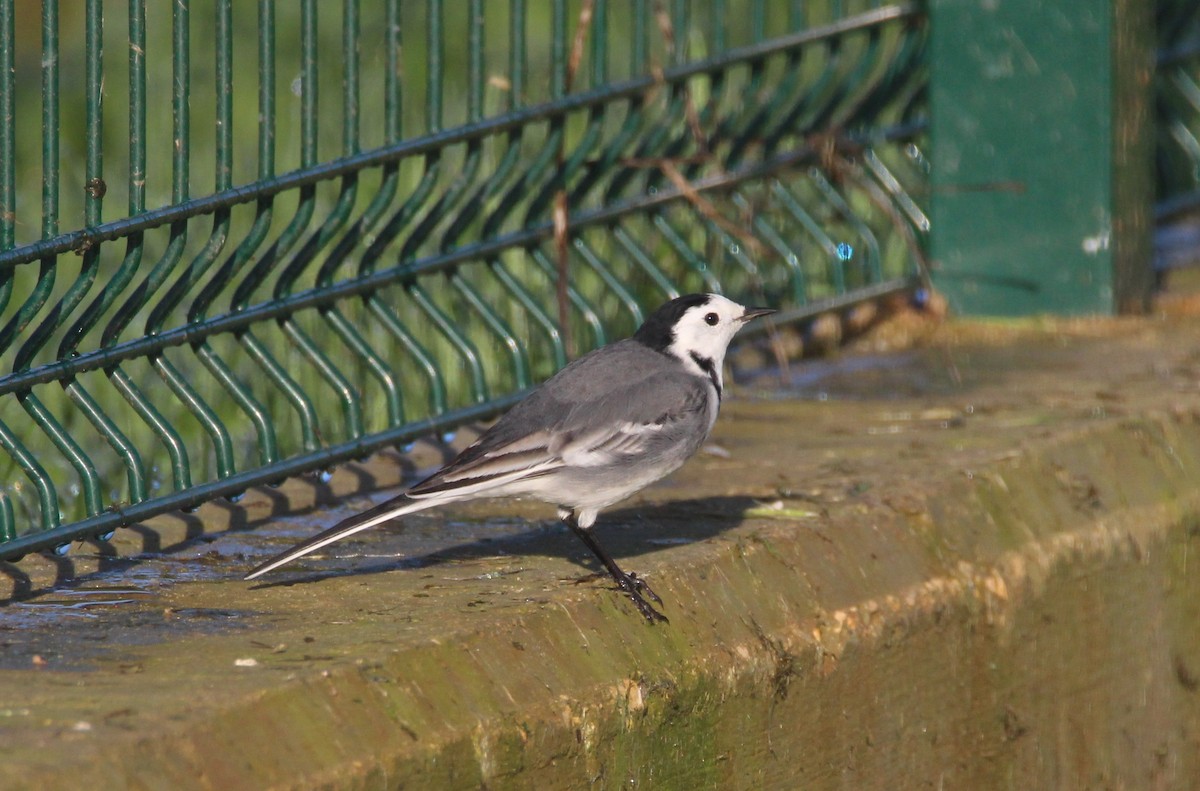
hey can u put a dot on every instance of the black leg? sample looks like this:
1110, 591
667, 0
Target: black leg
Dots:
633, 585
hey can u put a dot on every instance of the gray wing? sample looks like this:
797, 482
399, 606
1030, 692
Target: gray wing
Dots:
624, 400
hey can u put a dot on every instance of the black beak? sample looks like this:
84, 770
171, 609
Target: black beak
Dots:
754, 313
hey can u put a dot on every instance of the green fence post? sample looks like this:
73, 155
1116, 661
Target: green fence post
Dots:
1042, 155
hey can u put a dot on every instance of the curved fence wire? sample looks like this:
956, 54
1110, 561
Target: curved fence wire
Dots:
332, 230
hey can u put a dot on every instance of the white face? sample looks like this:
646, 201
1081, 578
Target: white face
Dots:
706, 330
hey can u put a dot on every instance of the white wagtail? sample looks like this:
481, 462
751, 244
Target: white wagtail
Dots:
609, 424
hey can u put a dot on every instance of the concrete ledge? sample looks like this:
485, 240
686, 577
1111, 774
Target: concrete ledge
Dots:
990, 585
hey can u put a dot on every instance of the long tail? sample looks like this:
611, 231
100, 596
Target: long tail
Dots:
397, 506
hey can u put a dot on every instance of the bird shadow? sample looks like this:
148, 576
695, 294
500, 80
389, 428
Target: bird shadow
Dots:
626, 533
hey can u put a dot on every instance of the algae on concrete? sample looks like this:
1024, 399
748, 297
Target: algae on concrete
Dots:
978, 578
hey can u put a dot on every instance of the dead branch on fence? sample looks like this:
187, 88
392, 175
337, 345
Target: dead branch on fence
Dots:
667, 29
561, 214
701, 204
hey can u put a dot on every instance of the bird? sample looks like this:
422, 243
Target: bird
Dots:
605, 426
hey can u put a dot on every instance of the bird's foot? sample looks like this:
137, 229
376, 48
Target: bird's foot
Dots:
634, 586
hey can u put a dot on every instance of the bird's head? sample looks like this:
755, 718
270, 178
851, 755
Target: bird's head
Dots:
697, 329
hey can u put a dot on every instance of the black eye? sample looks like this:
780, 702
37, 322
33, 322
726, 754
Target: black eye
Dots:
711, 319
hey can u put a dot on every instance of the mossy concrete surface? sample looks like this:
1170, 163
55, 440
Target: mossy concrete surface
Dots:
970, 565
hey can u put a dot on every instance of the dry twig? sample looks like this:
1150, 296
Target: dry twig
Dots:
561, 214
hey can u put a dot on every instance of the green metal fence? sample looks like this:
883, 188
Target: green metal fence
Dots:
1178, 108
244, 242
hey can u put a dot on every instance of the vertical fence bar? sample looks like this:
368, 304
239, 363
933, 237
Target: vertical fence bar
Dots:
516, 54
680, 24
8, 213
94, 86
796, 18
392, 98
637, 50
50, 132
224, 82
719, 23
181, 119
8, 191
350, 99
8, 524
599, 41
308, 82
474, 62
137, 106
433, 91
558, 49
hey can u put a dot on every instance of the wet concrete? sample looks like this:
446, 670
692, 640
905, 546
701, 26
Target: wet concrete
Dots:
964, 564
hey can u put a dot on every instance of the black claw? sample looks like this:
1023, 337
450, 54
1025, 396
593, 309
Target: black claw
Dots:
648, 612
643, 587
